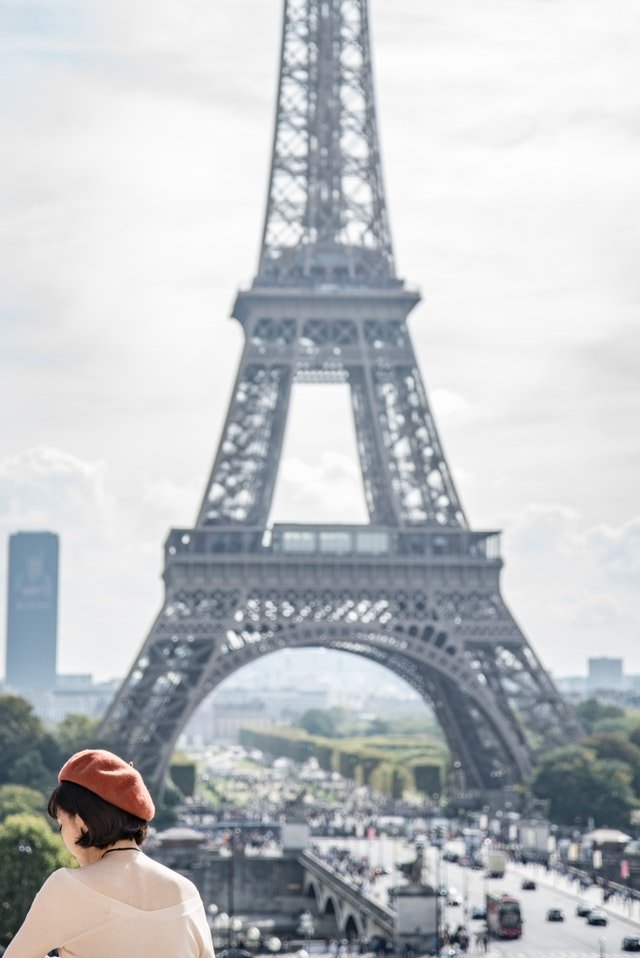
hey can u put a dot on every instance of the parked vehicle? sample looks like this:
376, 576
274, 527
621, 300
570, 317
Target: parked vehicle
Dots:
596, 917
528, 884
555, 914
478, 913
631, 943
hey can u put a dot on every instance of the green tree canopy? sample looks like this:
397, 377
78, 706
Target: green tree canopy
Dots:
580, 786
610, 745
607, 745
634, 734
591, 714
29, 852
20, 731
19, 800
332, 723
75, 733
30, 770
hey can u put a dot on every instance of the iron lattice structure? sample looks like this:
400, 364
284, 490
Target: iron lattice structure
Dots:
414, 590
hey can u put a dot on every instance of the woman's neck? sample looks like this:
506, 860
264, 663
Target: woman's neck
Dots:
92, 854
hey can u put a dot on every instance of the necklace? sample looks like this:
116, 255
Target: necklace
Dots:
126, 848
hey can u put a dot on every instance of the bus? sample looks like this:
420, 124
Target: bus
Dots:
504, 916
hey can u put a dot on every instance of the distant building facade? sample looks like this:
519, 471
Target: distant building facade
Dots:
605, 673
32, 611
226, 711
73, 695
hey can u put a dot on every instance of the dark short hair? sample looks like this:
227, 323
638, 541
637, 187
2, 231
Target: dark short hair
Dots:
104, 823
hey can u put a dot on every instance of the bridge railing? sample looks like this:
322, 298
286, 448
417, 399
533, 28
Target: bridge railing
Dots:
383, 916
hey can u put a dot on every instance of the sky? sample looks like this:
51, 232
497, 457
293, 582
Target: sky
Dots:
136, 140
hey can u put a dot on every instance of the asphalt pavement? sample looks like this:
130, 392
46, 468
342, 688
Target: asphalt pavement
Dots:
572, 938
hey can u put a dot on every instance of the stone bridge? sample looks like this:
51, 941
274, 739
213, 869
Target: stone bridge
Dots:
355, 914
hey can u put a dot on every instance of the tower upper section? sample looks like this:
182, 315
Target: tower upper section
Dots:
326, 219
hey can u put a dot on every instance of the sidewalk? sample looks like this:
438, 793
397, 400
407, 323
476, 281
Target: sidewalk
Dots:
628, 910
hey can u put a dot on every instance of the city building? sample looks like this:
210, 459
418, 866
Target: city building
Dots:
73, 695
221, 716
605, 673
32, 611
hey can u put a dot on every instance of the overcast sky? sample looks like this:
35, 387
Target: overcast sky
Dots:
135, 149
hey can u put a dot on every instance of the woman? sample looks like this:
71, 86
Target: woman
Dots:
119, 903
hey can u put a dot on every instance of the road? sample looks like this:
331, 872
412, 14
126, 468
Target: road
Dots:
573, 938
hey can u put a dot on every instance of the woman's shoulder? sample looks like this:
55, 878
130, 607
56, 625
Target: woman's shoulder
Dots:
141, 882
165, 875
56, 879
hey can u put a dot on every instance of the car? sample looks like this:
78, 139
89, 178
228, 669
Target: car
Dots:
596, 917
555, 914
453, 897
478, 913
528, 884
583, 910
631, 943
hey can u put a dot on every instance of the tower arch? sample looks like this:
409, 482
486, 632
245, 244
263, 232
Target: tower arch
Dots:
416, 589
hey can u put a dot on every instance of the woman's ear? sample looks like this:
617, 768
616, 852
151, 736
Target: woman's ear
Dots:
81, 826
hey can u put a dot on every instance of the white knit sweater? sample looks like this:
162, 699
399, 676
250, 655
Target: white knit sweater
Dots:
107, 910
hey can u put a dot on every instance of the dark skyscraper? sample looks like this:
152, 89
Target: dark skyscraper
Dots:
32, 610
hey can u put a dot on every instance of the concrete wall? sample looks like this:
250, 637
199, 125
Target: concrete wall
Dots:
252, 885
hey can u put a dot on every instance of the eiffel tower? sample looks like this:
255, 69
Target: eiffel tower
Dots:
416, 589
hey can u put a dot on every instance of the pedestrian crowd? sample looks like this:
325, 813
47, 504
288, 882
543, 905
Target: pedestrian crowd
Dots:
357, 871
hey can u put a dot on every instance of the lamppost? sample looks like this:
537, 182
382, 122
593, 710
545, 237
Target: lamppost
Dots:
253, 937
306, 925
235, 927
465, 896
438, 896
231, 881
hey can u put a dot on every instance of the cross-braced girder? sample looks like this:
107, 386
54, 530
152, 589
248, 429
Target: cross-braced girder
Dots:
326, 217
364, 342
429, 635
416, 590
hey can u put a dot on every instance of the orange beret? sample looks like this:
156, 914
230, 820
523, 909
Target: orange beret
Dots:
112, 779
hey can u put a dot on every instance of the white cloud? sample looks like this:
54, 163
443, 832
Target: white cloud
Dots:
110, 555
574, 589
328, 491
132, 183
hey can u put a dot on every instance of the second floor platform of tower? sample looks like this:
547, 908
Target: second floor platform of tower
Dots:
366, 543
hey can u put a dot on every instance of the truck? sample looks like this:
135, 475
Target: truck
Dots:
496, 862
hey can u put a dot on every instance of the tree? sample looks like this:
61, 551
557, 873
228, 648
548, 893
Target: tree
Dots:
20, 731
74, 733
606, 745
29, 852
591, 713
19, 800
379, 726
320, 722
634, 734
30, 770
613, 797
580, 786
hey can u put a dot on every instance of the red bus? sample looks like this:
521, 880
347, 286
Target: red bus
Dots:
504, 916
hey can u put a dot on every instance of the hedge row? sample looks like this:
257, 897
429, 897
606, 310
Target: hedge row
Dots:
393, 766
